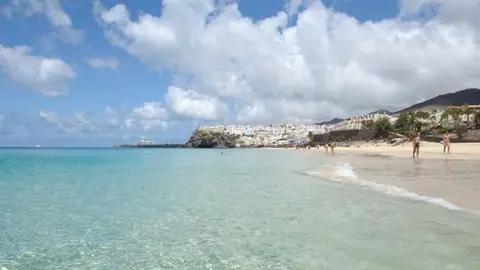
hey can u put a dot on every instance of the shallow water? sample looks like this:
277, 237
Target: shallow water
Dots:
201, 209
455, 182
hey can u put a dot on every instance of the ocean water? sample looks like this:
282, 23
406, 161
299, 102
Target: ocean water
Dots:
219, 209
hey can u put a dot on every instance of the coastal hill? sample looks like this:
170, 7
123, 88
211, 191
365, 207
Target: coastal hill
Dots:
331, 122
338, 120
211, 139
467, 96
381, 111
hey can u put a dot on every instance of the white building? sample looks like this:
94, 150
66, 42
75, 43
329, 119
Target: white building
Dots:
357, 122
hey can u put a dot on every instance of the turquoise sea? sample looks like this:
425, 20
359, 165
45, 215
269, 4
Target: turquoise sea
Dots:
216, 209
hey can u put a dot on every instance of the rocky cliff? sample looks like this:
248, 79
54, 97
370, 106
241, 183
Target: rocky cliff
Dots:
210, 139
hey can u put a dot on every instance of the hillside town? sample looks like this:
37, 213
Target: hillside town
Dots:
287, 134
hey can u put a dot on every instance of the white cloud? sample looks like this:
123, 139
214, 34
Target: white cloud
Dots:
151, 110
48, 76
150, 116
111, 63
54, 13
109, 110
327, 64
150, 119
446, 10
188, 103
79, 123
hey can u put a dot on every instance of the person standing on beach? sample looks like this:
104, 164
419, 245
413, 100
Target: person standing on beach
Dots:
416, 145
332, 146
446, 143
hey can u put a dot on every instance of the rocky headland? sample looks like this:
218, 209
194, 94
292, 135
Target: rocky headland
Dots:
211, 139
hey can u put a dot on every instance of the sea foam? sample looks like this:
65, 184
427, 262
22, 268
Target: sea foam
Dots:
344, 172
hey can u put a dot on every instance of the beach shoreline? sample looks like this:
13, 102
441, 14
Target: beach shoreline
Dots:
443, 179
428, 150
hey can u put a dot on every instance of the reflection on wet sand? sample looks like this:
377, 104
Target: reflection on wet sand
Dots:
456, 181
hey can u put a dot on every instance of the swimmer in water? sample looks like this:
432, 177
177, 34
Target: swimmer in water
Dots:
416, 145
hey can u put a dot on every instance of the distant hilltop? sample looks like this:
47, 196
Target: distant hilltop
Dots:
338, 120
469, 96
331, 122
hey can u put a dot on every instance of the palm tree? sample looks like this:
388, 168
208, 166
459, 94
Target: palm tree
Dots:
456, 113
445, 116
367, 124
433, 118
411, 120
310, 136
467, 110
476, 119
422, 115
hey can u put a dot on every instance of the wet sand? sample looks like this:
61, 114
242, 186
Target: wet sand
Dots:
442, 178
456, 181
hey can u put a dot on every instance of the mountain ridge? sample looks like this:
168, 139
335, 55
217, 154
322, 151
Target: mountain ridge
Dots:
467, 96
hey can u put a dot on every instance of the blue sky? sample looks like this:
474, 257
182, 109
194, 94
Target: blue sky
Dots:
165, 75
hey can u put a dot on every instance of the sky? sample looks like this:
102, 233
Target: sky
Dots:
95, 73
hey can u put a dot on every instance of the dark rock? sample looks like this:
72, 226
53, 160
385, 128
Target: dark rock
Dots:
210, 139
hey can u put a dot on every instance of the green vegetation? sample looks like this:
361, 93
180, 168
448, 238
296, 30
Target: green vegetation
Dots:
383, 126
410, 123
466, 110
368, 124
402, 125
310, 136
476, 119
455, 114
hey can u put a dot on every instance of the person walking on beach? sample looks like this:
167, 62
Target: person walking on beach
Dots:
332, 146
326, 145
446, 143
416, 145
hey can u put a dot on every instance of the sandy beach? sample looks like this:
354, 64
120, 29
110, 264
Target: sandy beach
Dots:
428, 150
448, 180
436, 177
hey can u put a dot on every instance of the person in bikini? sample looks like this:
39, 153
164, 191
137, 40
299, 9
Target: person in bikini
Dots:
416, 145
446, 143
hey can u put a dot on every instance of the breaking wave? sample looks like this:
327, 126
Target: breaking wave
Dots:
345, 173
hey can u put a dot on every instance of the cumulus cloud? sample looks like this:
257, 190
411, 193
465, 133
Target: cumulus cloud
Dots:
445, 10
149, 117
49, 76
326, 64
81, 122
54, 13
111, 63
191, 104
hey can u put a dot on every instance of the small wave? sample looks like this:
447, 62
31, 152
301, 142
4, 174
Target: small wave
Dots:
345, 173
